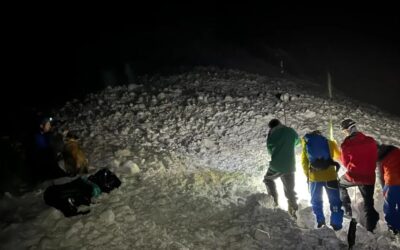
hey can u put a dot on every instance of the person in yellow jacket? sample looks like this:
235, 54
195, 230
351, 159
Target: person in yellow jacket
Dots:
318, 163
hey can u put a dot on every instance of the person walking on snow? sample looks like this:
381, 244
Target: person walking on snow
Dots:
281, 142
359, 157
318, 163
388, 167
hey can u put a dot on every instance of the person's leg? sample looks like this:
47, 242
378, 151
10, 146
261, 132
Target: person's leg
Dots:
316, 201
396, 194
372, 217
269, 180
391, 207
288, 186
344, 195
332, 190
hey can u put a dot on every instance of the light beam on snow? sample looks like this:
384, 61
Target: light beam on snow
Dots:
301, 185
301, 188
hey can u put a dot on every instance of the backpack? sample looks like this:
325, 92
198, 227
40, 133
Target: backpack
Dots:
69, 196
317, 148
105, 179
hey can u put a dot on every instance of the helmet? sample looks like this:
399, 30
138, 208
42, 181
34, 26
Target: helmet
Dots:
45, 119
347, 123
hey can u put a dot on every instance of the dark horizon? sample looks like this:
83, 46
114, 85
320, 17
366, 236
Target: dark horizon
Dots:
68, 56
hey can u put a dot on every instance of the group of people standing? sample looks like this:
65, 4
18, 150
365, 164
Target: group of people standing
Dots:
321, 158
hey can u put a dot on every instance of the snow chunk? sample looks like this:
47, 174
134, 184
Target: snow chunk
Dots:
309, 114
285, 97
228, 98
107, 217
306, 218
161, 96
74, 229
133, 86
208, 143
130, 167
123, 153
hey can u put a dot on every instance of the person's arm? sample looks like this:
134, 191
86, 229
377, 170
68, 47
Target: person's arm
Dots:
344, 158
297, 140
304, 159
269, 144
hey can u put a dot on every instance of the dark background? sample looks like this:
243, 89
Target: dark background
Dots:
57, 53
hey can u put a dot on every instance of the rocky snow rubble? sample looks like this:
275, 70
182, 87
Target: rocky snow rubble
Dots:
190, 151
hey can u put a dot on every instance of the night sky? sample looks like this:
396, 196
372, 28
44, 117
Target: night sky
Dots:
55, 56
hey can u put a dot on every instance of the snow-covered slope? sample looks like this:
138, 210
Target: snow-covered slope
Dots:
190, 151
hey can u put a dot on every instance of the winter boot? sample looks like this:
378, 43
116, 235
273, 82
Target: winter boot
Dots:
372, 220
292, 209
336, 227
321, 224
276, 204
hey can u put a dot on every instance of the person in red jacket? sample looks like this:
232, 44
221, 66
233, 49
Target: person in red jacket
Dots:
388, 166
359, 157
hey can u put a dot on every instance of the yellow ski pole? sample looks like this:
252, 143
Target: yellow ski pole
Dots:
330, 112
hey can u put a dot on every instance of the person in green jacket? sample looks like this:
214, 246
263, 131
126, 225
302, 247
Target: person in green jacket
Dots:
281, 143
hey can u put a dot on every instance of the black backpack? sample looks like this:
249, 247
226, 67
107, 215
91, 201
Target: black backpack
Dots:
105, 179
69, 196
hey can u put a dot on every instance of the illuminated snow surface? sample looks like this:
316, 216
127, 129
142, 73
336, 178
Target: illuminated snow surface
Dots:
191, 154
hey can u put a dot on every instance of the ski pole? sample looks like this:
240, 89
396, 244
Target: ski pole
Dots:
330, 111
284, 112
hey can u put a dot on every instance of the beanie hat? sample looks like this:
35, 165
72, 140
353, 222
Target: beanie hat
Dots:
273, 123
347, 123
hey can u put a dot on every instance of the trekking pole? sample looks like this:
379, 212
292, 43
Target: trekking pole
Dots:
308, 177
284, 112
330, 111
351, 234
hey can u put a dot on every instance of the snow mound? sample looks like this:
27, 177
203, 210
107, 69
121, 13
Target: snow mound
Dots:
190, 151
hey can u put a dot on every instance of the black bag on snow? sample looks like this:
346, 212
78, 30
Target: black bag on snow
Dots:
105, 179
69, 196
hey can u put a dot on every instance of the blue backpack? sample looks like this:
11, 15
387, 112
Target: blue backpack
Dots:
318, 152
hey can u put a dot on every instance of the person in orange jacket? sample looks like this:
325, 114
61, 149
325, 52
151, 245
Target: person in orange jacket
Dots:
359, 157
388, 167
